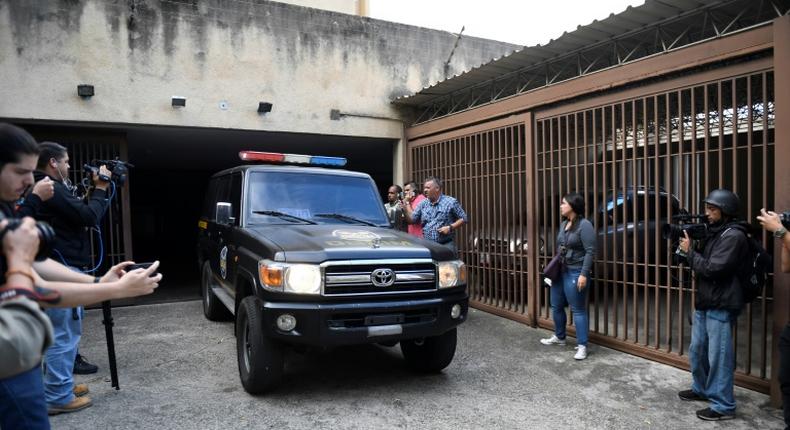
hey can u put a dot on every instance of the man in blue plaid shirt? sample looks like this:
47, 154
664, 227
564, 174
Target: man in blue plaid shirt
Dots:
439, 215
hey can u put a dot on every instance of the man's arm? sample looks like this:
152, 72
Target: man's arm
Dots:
75, 211
51, 270
135, 283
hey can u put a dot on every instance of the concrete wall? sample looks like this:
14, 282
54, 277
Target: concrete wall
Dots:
139, 53
351, 7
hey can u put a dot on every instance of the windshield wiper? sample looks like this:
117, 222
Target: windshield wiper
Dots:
346, 218
284, 215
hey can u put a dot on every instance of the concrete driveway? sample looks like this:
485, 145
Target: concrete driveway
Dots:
178, 371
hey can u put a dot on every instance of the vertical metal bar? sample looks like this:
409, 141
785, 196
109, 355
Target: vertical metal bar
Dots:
605, 223
646, 211
624, 221
635, 184
749, 209
681, 193
720, 114
656, 237
594, 149
734, 156
615, 267
777, 273
668, 182
529, 146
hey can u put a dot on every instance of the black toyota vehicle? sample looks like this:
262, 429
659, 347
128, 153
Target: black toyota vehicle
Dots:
304, 255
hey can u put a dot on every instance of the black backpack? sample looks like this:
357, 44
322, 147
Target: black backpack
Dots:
758, 263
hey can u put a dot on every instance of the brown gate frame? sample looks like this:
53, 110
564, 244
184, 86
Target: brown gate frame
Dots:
774, 36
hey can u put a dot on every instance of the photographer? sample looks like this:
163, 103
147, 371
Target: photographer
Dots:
772, 222
718, 301
24, 333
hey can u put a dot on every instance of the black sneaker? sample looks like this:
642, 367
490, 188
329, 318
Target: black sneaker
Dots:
709, 414
690, 396
82, 367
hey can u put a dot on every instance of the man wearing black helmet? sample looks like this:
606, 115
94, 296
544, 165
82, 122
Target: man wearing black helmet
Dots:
718, 301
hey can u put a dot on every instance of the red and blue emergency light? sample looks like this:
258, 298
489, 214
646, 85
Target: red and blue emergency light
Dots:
276, 157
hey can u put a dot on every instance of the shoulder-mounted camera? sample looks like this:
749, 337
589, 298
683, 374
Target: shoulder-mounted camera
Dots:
118, 168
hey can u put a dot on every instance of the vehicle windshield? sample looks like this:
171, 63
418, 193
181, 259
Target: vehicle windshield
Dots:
322, 199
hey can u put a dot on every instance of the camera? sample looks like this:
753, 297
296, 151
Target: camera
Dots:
46, 235
785, 217
118, 168
686, 222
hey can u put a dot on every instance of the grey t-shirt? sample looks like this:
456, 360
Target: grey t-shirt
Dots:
25, 333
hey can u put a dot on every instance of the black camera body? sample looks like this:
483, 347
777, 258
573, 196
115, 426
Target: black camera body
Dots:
118, 168
686, 222
785, 217
46, 235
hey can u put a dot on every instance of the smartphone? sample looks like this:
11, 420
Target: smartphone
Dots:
136, 266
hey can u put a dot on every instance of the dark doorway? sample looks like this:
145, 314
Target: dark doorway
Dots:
172, 166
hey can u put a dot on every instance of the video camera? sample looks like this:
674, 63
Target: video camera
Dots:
686, 222
46, 235
118, 168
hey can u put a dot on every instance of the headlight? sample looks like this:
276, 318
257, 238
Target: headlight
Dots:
290, 278
303, 279
452, 274
512, 247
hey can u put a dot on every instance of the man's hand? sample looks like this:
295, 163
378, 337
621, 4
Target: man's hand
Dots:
685, 242
98, 182
20, 245
116, 272
445, 230
138, 282
581, 283
44, 189
770, 220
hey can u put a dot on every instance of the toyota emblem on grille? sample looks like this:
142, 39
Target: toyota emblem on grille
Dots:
382, 277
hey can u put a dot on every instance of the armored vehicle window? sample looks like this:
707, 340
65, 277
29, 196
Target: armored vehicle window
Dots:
306, 195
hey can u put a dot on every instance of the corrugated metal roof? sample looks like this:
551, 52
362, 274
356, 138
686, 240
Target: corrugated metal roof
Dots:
631, 19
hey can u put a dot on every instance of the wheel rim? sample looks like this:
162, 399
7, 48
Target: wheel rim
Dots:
206, 287
245, 341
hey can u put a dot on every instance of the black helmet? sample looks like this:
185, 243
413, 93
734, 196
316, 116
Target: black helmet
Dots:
725, 200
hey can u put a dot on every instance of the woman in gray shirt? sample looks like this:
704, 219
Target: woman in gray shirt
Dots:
576, 240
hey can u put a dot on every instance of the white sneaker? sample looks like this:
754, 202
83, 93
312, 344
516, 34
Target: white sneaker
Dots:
553, 340
581, 352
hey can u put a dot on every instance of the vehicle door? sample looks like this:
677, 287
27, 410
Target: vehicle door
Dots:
230, 232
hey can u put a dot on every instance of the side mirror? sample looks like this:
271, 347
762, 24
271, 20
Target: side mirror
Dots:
224, 209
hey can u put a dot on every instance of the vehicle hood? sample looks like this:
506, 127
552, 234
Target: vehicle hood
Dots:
323, 242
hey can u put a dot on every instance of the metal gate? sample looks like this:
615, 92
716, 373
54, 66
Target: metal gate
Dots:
486, 169
639, 162
639, 156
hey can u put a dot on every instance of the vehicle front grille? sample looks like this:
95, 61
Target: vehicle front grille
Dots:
354, 279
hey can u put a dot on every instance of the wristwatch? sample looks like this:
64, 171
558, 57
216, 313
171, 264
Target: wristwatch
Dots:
780, 232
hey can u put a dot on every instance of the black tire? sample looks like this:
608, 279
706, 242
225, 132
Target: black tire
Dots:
431, 354
260, 358
213, 309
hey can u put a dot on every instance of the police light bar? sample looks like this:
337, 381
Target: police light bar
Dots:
275, 157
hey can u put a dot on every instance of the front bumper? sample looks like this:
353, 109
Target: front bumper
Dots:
369, 321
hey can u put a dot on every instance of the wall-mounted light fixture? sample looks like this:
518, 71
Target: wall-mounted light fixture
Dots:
264, 107
85, 90
178, 101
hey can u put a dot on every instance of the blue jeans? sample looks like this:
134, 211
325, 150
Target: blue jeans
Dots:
712, 358
59, 359
565, 293
22, 403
